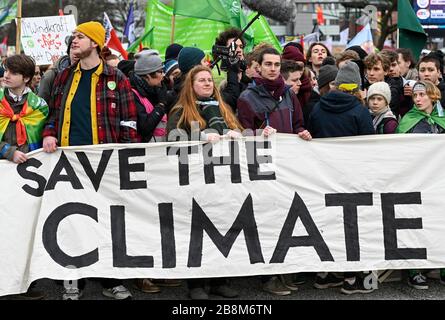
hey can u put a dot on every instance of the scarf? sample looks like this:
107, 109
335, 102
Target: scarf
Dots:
414, 116
379, 117
209, 110
29, 121
276, 86
143, 88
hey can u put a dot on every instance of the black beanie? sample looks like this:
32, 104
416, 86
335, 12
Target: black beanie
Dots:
326, 74
126, 66
172, 51
361, 53
328, 60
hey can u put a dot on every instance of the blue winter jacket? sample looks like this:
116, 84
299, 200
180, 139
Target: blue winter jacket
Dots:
339, 114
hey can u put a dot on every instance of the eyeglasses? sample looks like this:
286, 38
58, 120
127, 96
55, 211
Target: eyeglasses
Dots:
38, 73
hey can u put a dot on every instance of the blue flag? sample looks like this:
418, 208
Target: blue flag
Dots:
129, 25
363, 39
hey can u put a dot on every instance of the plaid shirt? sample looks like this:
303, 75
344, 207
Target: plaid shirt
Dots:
115, 109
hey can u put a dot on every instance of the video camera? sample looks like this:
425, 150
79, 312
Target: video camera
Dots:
227, 55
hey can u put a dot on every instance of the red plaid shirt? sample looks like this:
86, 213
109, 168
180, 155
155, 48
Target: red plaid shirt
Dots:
115, 109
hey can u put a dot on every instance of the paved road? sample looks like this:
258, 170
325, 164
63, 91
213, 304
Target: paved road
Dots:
250, 289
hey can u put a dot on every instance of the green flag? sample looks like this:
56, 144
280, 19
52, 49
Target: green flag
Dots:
411, 33
189, 32
217, 10
194, 32
263, 33
8, 11
147, 37
224, 11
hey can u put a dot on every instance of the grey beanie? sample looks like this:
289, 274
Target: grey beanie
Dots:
147, 61
327, 74
349, 74
380, 88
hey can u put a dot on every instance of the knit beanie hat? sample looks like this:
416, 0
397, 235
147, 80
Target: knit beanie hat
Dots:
147, 61
293, 53
126, 66
380, 88
361, 53
348, 77
93, 30
328, 60
170, 66
326, 74
172, 51
189, 57
294, 44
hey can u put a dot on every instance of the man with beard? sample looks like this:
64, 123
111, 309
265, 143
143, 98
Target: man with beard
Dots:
91, 103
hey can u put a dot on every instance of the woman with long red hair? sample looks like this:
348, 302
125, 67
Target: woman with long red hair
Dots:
200, 107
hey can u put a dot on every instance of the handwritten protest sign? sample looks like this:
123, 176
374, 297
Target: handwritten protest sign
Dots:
43, 38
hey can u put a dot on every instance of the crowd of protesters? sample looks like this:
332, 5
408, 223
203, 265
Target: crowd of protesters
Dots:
90, 97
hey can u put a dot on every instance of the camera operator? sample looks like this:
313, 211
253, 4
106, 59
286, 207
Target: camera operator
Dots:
234, 64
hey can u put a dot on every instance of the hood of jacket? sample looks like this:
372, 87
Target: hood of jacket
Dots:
62, 63
338, 102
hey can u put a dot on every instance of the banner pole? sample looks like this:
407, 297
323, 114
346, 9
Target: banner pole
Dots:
172, 37
19, 27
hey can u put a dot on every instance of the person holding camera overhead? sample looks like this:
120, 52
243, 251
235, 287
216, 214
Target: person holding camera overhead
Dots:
233, 63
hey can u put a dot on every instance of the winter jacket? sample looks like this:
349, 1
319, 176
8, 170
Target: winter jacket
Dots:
307, 108
33, 119
387, 126
400, 104
46, 84
441, 87
305, 92
257, 109
147, 122
339, 114
115, 108
233, 88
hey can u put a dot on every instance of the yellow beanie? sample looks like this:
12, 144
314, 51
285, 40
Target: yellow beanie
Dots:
93, 30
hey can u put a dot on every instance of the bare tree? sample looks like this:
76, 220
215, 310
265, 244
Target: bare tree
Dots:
120, 13
386, 25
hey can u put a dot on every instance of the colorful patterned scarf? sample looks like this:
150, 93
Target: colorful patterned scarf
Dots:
29, 122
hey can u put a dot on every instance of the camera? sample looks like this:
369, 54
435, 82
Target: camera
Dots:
227, 55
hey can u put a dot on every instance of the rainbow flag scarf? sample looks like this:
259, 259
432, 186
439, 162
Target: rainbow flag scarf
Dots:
29, 122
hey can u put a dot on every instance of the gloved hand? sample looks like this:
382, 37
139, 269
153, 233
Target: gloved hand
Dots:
166, 98
162, 94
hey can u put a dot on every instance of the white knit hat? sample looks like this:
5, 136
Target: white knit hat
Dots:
380, 88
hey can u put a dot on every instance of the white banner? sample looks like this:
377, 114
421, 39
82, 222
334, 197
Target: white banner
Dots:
43, 38
282, 206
